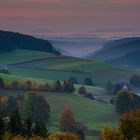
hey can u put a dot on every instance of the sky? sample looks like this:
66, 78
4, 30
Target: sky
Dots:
70, 16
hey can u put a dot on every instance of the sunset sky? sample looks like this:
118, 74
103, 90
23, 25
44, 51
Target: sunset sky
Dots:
74, 16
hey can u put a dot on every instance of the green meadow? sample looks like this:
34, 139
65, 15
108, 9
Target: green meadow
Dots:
62, 67
93, 114
42, 67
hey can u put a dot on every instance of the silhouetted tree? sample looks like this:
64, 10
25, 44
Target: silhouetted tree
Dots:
15, 125
11, 104
28, 127
124, 101
88, 81
2, 127
1, 83
36, 107
40, 129
68, 86
57, 86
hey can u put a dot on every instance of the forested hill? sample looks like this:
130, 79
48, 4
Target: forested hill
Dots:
116, 49
10, 41
123, 52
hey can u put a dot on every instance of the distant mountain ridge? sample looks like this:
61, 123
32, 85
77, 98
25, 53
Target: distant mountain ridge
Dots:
10, 41
123, 52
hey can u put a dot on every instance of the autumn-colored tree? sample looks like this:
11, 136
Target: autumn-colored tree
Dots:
129, 128
3, 104
6, 84
14, 85
130, 124
28, 85
63, 136
67, 121
48, 87
56, 136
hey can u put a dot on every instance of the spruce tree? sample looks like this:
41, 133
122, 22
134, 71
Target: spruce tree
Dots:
40, 129
2, 127
15, 125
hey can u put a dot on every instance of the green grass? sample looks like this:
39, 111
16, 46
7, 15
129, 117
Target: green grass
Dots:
98, 91
93, 114
21, 55
10, 78
62, 68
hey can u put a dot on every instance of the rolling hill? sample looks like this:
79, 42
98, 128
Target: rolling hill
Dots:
98, 117
123, 52
41, 65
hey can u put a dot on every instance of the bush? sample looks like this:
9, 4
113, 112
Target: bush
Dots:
88, 81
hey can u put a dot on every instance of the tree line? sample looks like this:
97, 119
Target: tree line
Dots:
65, 86
10, 41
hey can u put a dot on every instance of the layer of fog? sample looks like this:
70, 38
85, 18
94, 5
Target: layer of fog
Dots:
77, 46
81, 45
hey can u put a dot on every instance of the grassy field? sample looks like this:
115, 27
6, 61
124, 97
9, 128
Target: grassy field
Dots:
43, 67
61, 67
93, 114
66, 67
21, 55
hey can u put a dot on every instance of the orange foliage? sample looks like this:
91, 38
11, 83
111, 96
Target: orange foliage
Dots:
63, 136
129, 128
3, 101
